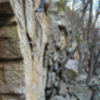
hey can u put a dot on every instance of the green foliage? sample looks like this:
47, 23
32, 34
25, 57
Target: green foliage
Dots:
61, 5
90, 44
79, 38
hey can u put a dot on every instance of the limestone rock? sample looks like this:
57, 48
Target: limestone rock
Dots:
63, 42
71, 70
63, 88
9, 32
69, 75
72, 65
57, 98
96, 95
94, 81
12, 66
12, 81
9, 49
82, 92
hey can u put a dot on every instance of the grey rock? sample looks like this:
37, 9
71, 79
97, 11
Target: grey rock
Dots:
71, 97
69, 75
56, 84
96, 95
63, 88
72, 65
82, 92
53, 77
97, 71
58, 98
49, 83
94, 81
56, 66
48, 92
54, 92
67, 97
83, 76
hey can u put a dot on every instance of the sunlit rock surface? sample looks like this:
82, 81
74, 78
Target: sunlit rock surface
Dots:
22, 76
12, 69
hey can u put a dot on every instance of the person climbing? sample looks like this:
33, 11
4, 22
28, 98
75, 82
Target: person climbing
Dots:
40, 7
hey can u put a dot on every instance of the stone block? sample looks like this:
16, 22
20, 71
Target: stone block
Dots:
9, 49
12, 81
9, 31
12, 66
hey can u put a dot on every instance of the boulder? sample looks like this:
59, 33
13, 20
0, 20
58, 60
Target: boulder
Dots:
82, 92
72, 65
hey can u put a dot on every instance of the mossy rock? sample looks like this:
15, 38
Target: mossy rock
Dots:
69, 74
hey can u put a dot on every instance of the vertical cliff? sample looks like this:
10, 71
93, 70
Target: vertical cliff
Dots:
23, 36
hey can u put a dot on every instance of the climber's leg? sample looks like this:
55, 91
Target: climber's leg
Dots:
39, 9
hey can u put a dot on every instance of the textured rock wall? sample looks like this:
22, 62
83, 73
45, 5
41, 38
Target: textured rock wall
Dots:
12, 71
21, 51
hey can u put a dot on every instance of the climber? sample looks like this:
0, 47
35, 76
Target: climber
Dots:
39, 9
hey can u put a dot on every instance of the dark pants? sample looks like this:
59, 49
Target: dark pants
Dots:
41, 3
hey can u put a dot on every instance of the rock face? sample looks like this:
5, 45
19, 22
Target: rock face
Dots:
82, 91
96, 95
22, 76
12, 71
58, 98
9, 49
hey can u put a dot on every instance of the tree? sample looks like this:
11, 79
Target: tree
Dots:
87, 24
